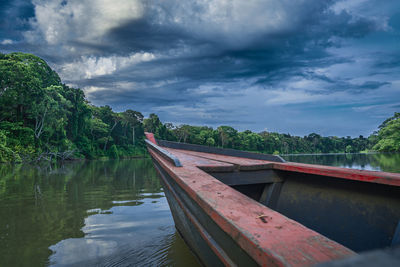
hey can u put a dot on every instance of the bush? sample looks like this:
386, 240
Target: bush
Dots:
113, 152
6, 154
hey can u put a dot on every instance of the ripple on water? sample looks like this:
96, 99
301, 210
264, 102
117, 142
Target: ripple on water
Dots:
132, 235
92, 213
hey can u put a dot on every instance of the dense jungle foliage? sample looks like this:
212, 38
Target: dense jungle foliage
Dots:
42, 118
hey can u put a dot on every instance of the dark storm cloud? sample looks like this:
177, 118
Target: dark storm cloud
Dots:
199, 61
14, 15
144, 35
224, 58
372, 85
276, 55
388, 61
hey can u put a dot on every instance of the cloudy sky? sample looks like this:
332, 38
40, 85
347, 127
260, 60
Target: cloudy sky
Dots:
331, 67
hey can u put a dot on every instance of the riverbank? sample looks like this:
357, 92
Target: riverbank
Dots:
35, 159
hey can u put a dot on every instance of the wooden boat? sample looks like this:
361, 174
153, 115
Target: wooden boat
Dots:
249, 209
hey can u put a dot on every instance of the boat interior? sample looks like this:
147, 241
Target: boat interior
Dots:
359, 215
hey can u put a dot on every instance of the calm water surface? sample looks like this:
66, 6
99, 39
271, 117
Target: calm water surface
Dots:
388, 162
111, 213
106, 213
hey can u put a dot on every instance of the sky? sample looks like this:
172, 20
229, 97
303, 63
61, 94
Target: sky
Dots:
288, 66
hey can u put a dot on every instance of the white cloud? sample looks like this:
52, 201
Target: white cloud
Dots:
175, 111
89, 90
81, 20
347, 5
116, 88
368, 107
366, 9
7, 42
233, 22
237, 22
78, 30
292, 96
90, 66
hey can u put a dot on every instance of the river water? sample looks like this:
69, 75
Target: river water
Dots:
388, 162
98, 213
106, 213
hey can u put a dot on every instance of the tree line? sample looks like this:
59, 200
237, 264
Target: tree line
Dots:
39, 115
42, 118
264, 142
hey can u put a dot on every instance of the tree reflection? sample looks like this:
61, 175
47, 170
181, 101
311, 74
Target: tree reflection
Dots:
42, 205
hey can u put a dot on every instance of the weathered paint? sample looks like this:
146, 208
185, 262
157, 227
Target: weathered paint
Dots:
220, 253
150, 137
221, 151
351, 174
270, 238
344, 173
170, 157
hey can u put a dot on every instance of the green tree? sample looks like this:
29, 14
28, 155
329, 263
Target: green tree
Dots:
153, 125
133, 119
227, 136
50, 112
389, 135
210, 141
38, 114
23, 78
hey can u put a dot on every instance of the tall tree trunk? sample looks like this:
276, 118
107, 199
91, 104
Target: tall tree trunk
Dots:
39, 123
109, 135
133, 136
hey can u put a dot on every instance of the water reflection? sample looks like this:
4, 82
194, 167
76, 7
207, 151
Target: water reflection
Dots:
87, 213
107, 213
388, 162
120, 238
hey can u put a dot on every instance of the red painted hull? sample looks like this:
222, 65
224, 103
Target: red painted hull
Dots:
236, 211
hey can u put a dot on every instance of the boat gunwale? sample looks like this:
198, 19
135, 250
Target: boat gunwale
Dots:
388, 178
296, 238
169, 156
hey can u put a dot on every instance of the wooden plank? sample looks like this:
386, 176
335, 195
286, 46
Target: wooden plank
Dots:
220, 151
269, 237
247, 177
241, 163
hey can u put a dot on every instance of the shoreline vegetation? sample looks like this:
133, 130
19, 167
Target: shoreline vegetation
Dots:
42, 119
